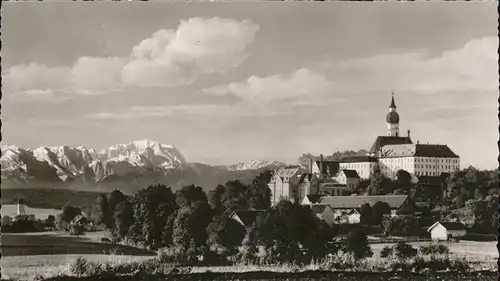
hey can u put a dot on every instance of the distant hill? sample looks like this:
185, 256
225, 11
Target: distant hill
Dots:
49, 198
127, 167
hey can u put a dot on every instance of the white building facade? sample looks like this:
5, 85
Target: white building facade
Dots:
418, 159
363, 165
284, 184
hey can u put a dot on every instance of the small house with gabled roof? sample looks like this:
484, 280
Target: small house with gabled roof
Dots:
442, 231
349, 178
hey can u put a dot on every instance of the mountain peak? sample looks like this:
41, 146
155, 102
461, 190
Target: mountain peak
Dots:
254, 165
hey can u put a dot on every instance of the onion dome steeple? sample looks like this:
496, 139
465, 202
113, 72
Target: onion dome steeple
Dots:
392, 119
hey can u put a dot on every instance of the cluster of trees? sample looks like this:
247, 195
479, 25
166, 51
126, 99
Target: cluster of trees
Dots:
373, 215
189, 224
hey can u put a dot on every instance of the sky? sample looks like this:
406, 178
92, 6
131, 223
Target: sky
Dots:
231, 82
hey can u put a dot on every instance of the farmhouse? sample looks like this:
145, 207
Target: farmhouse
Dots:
80, 220
324, 212
343, 205
246, 217
445, 230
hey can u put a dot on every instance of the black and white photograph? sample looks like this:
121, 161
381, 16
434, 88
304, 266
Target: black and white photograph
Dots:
264, 140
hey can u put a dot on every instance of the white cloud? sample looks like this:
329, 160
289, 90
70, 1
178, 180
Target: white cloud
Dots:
471, 67
168, 58
303, 84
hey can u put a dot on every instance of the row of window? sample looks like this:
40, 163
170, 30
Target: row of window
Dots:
437, 160
421, 166
418, 174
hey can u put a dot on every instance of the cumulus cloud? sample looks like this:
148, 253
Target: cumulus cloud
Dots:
303, 84
471, 67
168, 58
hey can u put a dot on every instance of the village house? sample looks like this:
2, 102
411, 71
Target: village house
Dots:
346, 208
79, 220
442, 231
324, 213
349, 178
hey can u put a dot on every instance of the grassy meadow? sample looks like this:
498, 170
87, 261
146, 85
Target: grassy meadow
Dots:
29, 256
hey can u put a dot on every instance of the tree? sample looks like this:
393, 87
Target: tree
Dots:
68, 213
50, 220
259, 193
214, 198
356, 243
380, 184
114, 198
366, 215
403, 181
225, 234
305, 160
152, 208
235, 197
102, 213
380, 209
124, 218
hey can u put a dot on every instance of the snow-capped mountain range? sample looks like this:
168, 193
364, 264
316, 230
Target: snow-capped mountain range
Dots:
124, 163
254, 165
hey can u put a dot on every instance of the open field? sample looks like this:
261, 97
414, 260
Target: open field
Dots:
480, 251
53, 244
27, 267
47, 253
40, 213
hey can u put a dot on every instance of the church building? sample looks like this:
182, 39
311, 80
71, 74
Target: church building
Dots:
394, 152
389, 153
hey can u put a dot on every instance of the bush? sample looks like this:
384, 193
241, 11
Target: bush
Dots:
77, 230
404, 251
386, 252
357, 244
435, 250
80, 267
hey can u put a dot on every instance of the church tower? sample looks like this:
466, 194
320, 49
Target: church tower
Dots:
392, 120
